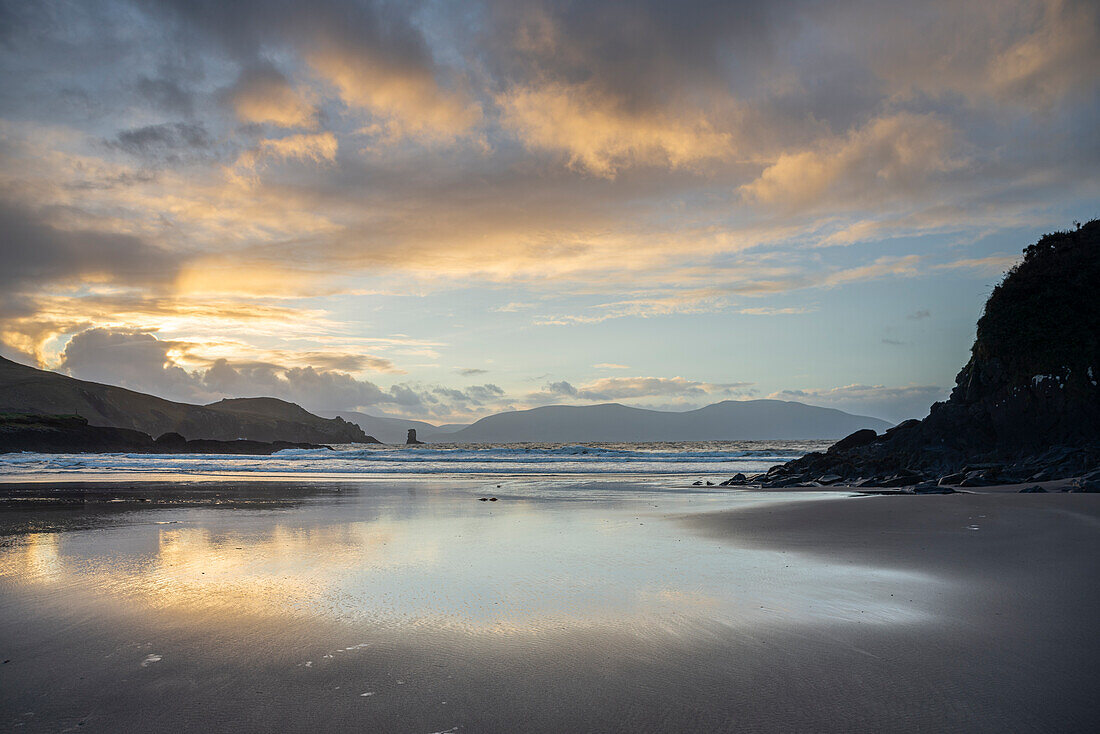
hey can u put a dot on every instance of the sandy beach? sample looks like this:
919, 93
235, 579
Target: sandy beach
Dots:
407, 605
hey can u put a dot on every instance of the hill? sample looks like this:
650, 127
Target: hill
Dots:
1025, 407
25, 390
731, 420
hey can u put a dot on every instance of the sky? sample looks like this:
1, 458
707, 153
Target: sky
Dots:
443, 210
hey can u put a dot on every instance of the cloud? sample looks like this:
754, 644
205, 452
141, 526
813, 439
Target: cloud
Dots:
610, 366
37, 254
769, 311
405, 98
921, 313
263, 95
629, 388
191, 372
166, 94
471, 371
601, 136
315, 147
1032, 54
513, 307
991, 264
134, 360
163, 138
888, 156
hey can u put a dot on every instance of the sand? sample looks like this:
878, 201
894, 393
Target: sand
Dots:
408, 606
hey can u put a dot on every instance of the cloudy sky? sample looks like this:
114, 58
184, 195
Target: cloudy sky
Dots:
447, 209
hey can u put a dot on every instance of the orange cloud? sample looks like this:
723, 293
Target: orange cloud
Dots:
269, 98
408, 100
601, 136
889, 155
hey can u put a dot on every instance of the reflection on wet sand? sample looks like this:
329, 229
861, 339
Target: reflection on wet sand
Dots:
438, 560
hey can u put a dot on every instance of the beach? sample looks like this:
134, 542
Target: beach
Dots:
570, 604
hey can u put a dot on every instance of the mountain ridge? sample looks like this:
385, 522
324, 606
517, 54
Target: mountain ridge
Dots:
732, 420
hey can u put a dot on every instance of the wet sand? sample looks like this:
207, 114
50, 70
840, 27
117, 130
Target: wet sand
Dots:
567, 607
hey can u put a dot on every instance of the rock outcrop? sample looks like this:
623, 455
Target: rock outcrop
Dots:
411, 439
1026, 407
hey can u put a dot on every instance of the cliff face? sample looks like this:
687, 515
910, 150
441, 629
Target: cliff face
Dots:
1028, 401
1032, 376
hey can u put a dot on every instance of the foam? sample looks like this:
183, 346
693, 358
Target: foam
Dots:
711, 457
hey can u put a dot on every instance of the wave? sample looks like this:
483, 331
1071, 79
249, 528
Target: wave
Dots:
713, 457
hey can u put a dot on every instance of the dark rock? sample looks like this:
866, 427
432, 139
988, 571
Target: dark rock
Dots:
952, 478
828, 479
976, 479
697, 484
492, 499
171, 442
900, 481
411, 440
1033, 490
930, 488
861, 437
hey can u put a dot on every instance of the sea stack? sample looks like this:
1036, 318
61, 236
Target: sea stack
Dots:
411, 440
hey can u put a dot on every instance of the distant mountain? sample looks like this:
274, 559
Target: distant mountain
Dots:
731, 420
28, 390
391, 429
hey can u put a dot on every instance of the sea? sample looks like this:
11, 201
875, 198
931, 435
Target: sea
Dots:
703, 458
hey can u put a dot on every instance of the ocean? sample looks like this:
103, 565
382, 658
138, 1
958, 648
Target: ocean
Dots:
710, 458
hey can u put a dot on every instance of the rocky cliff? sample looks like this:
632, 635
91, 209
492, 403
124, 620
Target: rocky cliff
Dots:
1026, 405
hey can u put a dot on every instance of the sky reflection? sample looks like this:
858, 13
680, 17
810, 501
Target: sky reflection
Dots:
432, 558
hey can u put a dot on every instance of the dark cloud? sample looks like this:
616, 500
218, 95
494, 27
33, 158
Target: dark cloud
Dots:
35, 254
561, 388
163, 138
919, 314
166, 94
